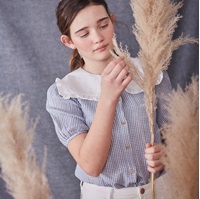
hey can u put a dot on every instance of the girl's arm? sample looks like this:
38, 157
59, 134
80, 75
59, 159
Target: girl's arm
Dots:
91, 149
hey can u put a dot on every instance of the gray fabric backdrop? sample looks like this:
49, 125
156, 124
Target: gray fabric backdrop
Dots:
31, 57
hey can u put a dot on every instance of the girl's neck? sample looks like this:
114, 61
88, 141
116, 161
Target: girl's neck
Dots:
96, 67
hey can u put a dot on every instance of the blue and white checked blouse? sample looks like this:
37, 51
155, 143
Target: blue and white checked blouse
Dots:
72, 107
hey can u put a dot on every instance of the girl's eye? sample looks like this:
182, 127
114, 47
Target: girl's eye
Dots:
84, 35
103, 26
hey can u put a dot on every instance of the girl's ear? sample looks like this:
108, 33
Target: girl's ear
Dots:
112, 18
67, 41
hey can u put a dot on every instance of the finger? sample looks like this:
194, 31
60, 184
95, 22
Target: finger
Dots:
121, 66
155, 163
148, 145
153, 156
112, 65
127, 80
123, 74
153, 149
155, 169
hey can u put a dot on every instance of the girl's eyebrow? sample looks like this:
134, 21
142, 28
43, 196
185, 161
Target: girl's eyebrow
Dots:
99, 21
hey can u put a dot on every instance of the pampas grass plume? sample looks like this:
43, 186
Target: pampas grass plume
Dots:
155, 23
24, 179
181, 135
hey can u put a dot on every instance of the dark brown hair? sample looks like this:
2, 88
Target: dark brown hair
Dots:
66, 13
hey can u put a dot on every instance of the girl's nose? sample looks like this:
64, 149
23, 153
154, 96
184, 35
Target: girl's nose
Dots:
97, 37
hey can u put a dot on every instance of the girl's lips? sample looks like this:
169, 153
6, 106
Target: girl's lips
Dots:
101, 48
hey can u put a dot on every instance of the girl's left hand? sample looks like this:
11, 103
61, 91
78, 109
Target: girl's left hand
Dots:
153, 155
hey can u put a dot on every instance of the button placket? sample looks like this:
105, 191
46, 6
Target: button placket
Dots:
126, 142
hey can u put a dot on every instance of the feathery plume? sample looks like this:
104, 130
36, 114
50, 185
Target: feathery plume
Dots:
119, 51
24, 179
182, 141
155, 23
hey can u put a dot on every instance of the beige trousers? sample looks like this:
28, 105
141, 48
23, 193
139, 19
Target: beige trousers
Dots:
90, 191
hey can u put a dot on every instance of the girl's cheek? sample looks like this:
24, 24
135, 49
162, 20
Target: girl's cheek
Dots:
83, 44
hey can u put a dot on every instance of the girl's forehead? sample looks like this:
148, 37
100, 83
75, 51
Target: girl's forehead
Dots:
88, 16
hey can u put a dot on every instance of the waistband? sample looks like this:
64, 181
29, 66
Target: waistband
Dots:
144, 189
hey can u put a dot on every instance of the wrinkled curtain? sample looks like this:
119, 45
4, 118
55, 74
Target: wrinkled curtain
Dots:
31, 57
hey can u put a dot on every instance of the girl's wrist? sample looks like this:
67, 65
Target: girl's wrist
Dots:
110, 102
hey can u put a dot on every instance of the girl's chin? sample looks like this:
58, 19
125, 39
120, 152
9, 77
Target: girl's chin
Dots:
104, 55
104, 58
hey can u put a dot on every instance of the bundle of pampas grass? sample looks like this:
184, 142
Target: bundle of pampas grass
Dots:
24, 179
181, 135
155, 23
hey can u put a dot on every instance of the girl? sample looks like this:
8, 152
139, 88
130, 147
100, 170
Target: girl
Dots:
98, 110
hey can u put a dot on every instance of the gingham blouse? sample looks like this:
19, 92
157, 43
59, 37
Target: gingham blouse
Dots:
72, 102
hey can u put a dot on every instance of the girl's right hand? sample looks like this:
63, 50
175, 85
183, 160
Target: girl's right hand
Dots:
114, 79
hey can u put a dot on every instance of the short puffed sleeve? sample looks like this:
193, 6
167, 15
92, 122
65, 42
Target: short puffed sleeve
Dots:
66, 114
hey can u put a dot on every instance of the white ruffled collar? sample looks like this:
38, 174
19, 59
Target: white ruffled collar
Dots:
84, 85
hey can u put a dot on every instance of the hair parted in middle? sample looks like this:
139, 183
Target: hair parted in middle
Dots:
66, 12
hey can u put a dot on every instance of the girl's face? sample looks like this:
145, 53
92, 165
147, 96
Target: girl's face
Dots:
91, 33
